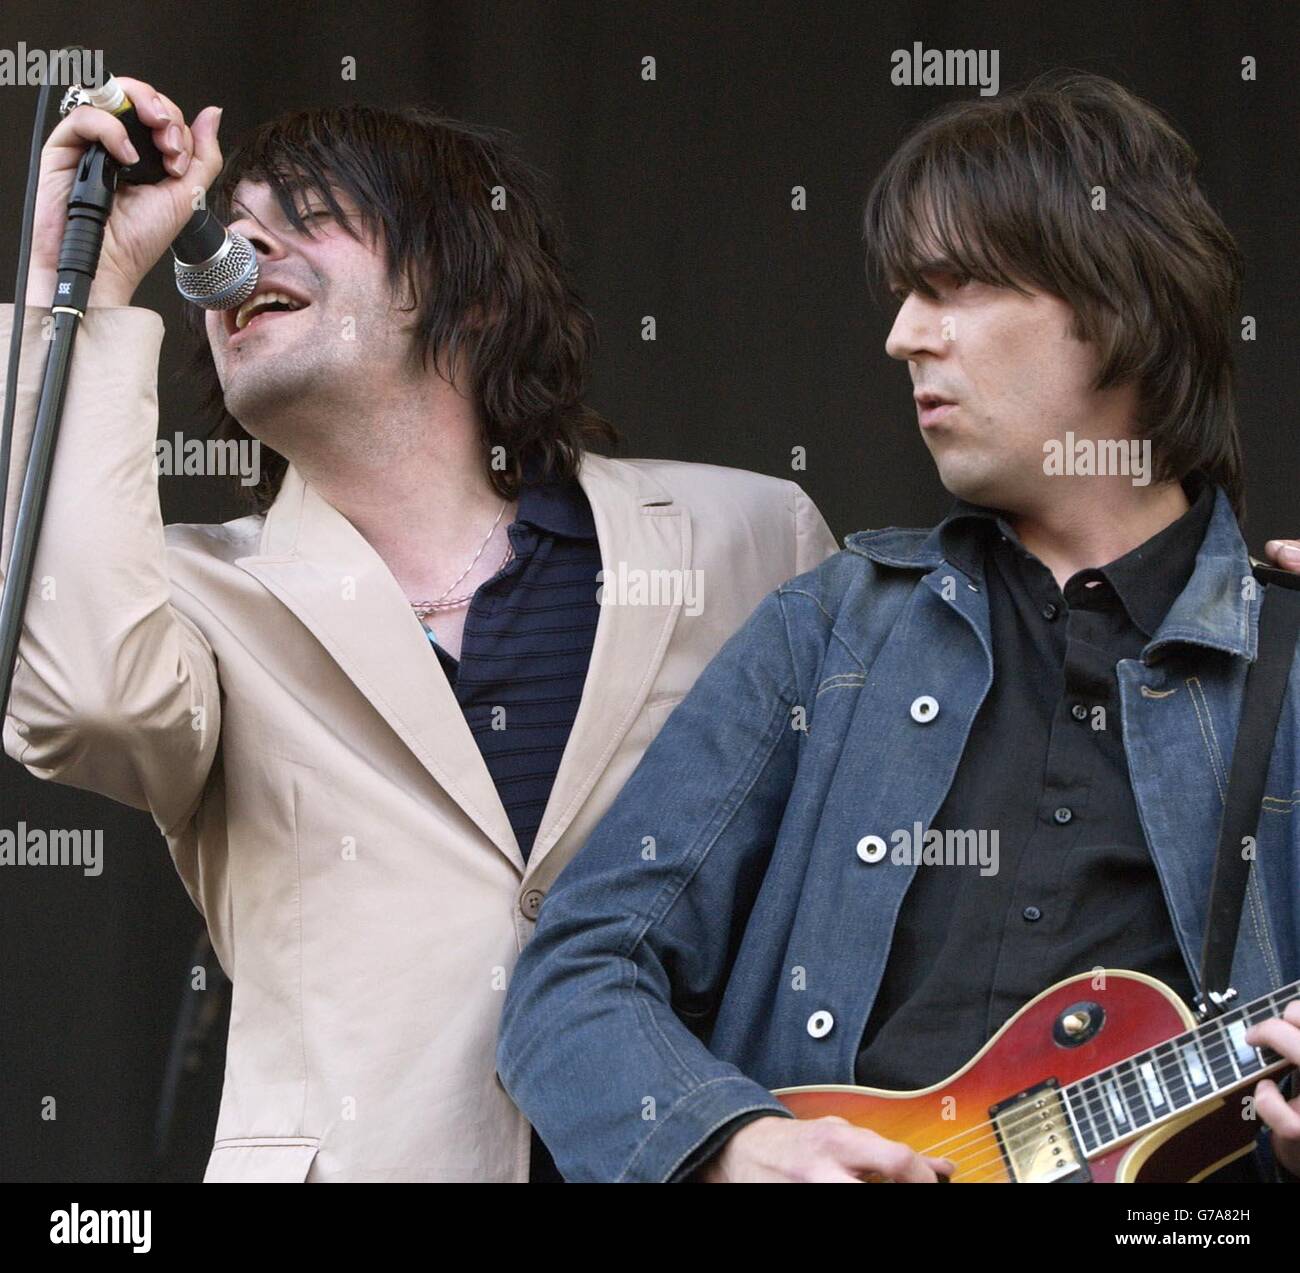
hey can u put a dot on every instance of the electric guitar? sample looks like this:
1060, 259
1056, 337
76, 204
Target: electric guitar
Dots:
1104, 1077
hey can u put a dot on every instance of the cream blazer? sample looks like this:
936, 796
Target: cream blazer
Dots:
264, 690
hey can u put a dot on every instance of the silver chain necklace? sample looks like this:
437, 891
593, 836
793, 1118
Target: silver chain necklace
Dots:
442, 602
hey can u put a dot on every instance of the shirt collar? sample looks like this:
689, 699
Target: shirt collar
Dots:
1148, 579
556, 506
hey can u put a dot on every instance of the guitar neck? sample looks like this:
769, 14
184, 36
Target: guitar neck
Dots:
1176, 1076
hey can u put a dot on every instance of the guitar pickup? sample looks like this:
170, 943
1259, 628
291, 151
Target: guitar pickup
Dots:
1036, 1137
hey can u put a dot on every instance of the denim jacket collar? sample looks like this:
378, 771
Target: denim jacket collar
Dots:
1218, 609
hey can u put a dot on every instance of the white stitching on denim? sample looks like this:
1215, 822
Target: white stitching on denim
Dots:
842, 681
834, 635
1259, 918
1211, 742
660, 1124
803, 592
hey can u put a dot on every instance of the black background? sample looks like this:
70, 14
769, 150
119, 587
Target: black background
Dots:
676, 195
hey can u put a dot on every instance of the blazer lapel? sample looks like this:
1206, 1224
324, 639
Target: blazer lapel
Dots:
641, 530
324, 570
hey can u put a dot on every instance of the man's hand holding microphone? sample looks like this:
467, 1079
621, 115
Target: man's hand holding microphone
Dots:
146, 218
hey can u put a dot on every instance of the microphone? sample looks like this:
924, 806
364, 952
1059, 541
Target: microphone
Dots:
215, 267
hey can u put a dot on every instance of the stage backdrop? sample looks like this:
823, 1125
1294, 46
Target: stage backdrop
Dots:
677, 194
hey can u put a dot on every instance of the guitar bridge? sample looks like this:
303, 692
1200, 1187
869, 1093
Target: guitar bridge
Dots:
1036, 1138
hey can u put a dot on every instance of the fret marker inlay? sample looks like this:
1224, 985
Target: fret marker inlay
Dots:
1154, 1091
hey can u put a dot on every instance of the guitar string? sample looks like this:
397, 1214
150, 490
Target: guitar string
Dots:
993, 1156
991, 1164
1129, 1080
992, 1159
1017, 1122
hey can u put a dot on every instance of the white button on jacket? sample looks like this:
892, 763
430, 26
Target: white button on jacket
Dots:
871, 848
924, 709
820, 1023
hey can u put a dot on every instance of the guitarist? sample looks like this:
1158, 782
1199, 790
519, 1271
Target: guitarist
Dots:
1055, 670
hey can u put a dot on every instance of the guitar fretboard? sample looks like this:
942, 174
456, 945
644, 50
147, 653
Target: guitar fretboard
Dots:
1214, 1057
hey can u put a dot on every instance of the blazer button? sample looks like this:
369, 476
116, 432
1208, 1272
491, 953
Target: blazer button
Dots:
531, 903
871, 848
924, 709
820, 1023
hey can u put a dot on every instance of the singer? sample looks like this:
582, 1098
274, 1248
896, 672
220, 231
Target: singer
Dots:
376, 717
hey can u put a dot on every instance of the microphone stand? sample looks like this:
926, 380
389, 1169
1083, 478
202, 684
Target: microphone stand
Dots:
89, 204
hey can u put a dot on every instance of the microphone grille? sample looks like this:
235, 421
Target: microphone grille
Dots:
225, 280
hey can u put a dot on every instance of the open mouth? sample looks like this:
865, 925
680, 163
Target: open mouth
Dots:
261, 308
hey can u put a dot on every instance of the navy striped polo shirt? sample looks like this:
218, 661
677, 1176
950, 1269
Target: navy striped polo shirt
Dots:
526, 647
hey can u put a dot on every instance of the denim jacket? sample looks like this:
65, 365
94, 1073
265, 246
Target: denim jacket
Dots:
720, 935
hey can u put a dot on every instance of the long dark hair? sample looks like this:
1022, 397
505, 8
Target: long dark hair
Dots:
1076, 187
466, 222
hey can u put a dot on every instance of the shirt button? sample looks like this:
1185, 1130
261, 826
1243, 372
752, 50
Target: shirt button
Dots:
1062, 815
820, 1023
531, 903
924, 709
1032, 914
1079, 712
1050, 611
871, 848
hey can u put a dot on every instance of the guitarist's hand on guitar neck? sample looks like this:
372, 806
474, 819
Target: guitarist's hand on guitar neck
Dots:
817, 1151
1282, 1034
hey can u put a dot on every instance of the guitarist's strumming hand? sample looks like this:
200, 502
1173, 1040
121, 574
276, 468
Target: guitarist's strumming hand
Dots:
1282, 1034
816, 1151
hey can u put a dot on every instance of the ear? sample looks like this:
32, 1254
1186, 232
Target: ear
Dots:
406, 296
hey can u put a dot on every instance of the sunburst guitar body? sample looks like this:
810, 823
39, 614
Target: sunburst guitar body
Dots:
1105, 1077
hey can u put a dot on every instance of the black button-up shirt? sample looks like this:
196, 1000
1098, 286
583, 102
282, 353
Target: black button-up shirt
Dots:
1045, 767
